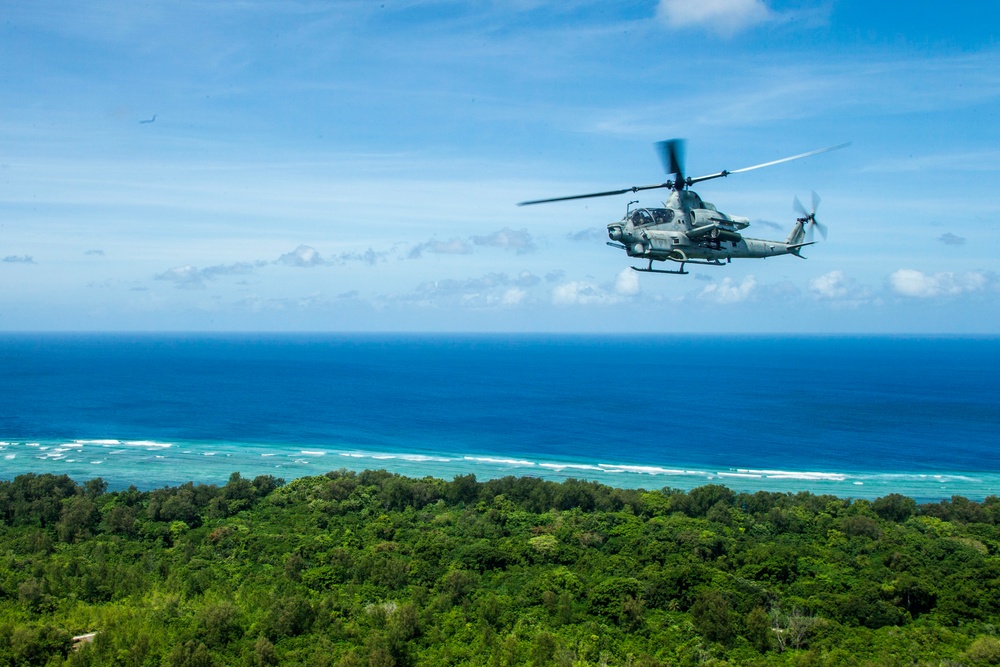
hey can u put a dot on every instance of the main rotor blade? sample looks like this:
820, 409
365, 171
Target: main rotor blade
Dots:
636, 188
672, 157
692, 181
794, 157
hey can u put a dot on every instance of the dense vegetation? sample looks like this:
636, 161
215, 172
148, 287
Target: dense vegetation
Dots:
377, 569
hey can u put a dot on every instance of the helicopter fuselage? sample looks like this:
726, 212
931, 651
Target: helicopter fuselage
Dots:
688, 228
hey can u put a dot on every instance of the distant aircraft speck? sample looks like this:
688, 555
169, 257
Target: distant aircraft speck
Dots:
149, 120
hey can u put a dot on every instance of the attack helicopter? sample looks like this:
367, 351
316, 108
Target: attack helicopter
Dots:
689, 230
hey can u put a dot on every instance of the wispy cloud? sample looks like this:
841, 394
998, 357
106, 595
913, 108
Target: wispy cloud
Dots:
256, 304
951, 239
587, 235
306, 257
95, 253
724, 17
453, 246
19, 259
490, 290
518, 240
186, 277
758, 90
191, 277
370, 257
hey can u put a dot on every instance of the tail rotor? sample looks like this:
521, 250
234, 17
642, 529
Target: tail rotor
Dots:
808, 218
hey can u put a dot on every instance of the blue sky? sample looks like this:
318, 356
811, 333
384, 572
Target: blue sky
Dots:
353, 166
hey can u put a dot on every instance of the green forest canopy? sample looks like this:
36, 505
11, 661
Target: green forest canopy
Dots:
377, 569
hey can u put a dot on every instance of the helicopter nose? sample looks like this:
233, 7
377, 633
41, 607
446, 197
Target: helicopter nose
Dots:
615, 233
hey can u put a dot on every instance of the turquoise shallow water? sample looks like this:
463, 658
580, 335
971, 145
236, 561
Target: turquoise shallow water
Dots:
149, 464
857, 417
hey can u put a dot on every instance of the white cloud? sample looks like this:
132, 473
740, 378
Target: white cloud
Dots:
725, 17
304, 256
627, 283
513, 297
580, 293
916, 284
729, 292
518, 240
834, 285
838, 288
586, 293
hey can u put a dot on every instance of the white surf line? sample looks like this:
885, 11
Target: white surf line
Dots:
500, 461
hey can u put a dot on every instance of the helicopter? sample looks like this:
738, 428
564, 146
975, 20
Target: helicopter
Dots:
689, 230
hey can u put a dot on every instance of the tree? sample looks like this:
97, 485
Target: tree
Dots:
36, 645
712, 617
895, 507
759, 632
190, 654
79, 517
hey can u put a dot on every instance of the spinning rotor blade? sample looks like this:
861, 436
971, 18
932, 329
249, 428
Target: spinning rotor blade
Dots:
799, 208
672, 157
692, 181
635, 188
809, 217
821, 227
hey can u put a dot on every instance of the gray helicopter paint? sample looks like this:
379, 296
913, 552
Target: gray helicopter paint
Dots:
688, 229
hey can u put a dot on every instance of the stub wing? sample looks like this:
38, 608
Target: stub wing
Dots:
721, 230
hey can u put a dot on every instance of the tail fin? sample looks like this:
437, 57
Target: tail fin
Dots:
798, 233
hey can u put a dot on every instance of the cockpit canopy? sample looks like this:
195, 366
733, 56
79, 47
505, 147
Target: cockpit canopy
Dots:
643, 217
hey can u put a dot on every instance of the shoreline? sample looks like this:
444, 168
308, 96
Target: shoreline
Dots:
150, 464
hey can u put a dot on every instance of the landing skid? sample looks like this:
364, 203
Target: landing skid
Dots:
650, 269
680, 271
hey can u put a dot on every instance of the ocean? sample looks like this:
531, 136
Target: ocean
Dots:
855, 417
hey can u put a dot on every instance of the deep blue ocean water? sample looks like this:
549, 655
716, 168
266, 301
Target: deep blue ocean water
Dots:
852, 416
